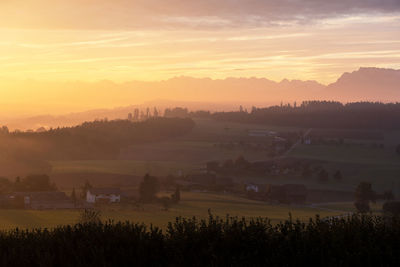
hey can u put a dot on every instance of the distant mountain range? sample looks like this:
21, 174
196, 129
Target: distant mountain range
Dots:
372, 84
365, 84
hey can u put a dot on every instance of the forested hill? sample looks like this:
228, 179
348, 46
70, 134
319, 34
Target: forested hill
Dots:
91, 140
322, 114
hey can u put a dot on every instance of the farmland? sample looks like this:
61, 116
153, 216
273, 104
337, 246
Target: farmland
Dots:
192, 204
358, 161
182, 153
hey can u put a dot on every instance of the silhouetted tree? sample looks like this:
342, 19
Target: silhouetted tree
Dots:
363, 196
17, 185
35, 183
85, 188
338, 176
73, 196
148, 188
176, 197
155, 113
388, 195
391, 208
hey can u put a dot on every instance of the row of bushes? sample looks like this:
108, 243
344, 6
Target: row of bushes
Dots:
357, 241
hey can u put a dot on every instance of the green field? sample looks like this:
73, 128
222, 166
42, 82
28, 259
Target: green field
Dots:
187, 153
192, 204
381, 167
354, 154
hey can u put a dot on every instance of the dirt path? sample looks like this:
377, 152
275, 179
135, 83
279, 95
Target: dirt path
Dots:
295, 144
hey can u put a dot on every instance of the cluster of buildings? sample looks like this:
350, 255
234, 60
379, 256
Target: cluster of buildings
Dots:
59, 200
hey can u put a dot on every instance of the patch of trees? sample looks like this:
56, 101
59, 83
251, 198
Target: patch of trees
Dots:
31, 183
354, 241
391, 208
92, 140
363, 196
179, 112
322, 114
176, 112
150, 186
307, 169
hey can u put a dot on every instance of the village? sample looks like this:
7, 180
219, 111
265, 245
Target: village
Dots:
37, 192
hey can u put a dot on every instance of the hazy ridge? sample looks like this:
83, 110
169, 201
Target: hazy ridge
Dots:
364, 84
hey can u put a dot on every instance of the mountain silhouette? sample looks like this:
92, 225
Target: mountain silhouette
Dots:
364, 84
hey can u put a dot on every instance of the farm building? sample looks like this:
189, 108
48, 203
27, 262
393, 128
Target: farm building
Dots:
256, 188
41, 200
103, 195
252, 188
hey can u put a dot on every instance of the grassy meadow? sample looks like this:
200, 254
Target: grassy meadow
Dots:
358, 163
186, 154
192, 204
357, 159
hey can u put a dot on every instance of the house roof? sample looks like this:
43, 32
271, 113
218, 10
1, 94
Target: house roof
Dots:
105, 191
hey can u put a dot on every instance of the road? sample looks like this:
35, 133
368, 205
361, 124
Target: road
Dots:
295, 144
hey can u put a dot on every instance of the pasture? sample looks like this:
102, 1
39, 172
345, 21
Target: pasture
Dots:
357, 159
179, 155
192, 204
379, 166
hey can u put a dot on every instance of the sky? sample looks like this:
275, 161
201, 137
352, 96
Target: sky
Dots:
58, 41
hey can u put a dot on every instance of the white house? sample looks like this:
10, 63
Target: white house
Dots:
252, 187
103, 195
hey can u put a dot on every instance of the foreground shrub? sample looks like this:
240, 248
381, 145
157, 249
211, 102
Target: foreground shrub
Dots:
357, 240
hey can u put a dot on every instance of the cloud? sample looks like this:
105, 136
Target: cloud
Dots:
166, 14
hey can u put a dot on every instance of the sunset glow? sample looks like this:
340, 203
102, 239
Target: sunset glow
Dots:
121, 41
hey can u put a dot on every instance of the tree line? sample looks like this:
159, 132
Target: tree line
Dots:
321, 114
91, 140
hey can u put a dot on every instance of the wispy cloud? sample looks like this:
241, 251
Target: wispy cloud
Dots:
123, 40
127, 14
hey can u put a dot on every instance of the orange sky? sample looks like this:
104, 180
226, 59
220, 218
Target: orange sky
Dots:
91, 40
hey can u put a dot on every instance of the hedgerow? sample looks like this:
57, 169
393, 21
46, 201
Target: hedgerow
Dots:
356, 240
